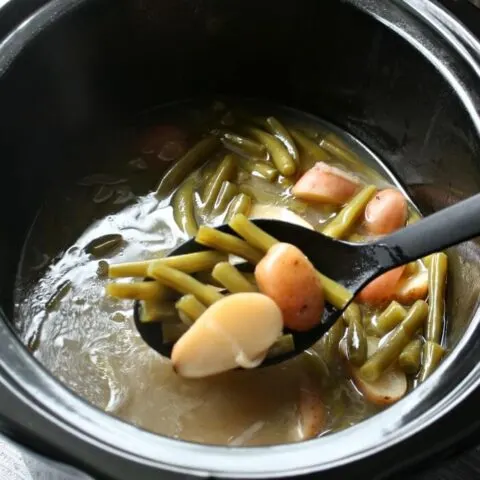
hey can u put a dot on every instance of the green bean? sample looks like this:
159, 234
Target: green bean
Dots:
349, 214
231, 278
190, 307
409, 359
137, 290
171, 332
258, 169
390, 349
357, 238
155, 311
437, 279
334, 293
285, 182
188, 263
280, 156
101, 246
183, 205
309, 149
285, 344
330, 143
177, 173
388, 319
331, 339
432, 355
225, 171
414, 217
352, 314
280, 132
225, 196
242, 203
228, 243
244, 146
56, 297
184, 283
356, 344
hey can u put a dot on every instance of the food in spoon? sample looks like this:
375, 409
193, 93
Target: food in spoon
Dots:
286, 275
268, 163
221, 339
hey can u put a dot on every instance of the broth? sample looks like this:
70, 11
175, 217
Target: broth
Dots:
89, 341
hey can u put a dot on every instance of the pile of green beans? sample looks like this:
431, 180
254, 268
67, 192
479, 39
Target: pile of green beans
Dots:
208, 182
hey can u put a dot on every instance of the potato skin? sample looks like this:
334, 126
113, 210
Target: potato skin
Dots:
382, 289
386, 212
286, 275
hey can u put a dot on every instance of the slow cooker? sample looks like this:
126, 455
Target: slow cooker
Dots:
403, 76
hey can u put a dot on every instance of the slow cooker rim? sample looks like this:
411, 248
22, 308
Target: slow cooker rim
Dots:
73, 414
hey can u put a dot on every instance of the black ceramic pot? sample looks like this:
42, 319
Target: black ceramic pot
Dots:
402, 76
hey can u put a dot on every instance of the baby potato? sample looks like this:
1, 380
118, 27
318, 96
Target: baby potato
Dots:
236, 331
386, 212
326, 184
286, 275
382, 289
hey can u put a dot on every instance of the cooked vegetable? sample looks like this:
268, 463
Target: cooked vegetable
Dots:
331, 143
184, 283
183, 205
221, 339
227, 192
309, 149
225, 172
348, 216
242, 203
388, 320
390, 349
190, 307
389, 387
279, 131
432, 356
189, 263
102, 246
258, 169
313, 414
326, 184
228, 243
286, 275
331, 340
137, 290
356, 344
352, 314
278, 213
334, 293
244, 146
157, 311
177, 173
60, 292
386, 212
382, 289
437, 279
412, 288
409, 359
279, 155
232, 279
285, 344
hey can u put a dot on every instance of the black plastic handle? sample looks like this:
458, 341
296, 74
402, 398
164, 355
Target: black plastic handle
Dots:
450, 226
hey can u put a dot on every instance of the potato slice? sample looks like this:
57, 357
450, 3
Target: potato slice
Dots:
386, 212
311, 409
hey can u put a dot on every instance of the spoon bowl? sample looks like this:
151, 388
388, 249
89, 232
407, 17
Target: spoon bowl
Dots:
351, 265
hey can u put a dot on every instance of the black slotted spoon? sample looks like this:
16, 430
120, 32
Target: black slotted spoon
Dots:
351, 265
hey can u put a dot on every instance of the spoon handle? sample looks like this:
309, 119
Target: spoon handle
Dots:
438, 231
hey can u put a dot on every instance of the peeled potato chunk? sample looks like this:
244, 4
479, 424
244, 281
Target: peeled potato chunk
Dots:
234, 332
412, 288
386, 212
278, 213
326, 184
286, 275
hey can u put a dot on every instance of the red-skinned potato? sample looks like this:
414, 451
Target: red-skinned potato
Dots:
326, 184
386, 212
286, 275
312, 411
382, 289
